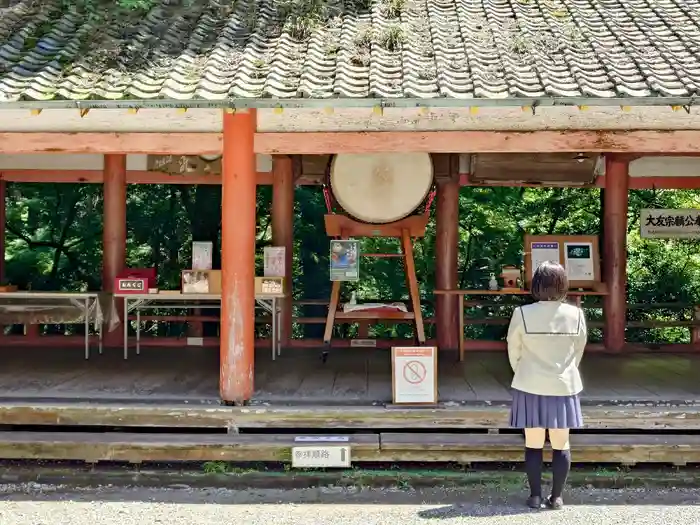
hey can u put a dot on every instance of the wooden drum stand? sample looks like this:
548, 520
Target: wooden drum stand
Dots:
343, 227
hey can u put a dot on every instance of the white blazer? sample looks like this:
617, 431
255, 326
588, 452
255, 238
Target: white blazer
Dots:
545, 346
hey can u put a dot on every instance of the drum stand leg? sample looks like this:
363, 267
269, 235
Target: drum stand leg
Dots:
330, 319
412, 284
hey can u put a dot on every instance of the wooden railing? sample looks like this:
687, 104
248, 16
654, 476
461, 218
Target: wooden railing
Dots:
482, 299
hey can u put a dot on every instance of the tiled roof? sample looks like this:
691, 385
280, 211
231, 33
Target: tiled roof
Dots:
218, 49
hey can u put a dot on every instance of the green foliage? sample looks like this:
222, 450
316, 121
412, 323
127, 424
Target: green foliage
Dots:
54, 242
93, 6
143, 5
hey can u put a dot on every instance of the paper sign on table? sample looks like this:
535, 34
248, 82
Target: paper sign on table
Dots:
273, 261
202, 255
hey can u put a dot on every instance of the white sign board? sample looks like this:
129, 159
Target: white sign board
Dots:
670, 224
321, 456
578, 261
414, 375
541, 252
274, 261
202, 255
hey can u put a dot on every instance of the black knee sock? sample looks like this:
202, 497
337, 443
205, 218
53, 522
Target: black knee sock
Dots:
561, 464
533, 469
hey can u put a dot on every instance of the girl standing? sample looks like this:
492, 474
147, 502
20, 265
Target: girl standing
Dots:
546, 340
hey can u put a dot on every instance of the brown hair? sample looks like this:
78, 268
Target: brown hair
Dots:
550, 282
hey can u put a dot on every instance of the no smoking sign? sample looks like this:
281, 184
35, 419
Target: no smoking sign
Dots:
414, 371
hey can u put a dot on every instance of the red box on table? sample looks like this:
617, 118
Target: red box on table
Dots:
135, 281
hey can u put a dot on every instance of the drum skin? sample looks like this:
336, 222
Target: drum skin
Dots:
380, 188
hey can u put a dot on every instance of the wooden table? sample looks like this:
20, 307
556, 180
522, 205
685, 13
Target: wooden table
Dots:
576, 295
29, 301
189, 301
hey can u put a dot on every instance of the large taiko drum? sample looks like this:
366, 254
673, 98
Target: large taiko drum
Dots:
382, 187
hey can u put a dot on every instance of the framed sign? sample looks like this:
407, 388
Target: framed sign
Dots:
131, 285
670, 224
414, 375
345, 260
578, 261
577, 253
201, 281
202, 255
541, 252
181, 164
273, 261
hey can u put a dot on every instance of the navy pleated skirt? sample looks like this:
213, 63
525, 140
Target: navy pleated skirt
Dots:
534, 411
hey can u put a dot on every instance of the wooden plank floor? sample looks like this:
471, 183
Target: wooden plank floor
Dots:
357, 376
384, 447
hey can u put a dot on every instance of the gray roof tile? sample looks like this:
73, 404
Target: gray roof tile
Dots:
218, 49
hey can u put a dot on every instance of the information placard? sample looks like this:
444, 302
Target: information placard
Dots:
577, 253
414, 375
321, 456
542, 252
274, 261
670, 224
345, 260
202, 255
578, 261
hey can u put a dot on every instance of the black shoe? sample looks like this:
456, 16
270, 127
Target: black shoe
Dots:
534, 502
555, 504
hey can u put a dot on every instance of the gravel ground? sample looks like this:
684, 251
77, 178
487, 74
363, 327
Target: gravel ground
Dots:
34, 504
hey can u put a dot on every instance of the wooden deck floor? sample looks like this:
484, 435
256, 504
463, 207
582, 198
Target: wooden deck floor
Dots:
352, 377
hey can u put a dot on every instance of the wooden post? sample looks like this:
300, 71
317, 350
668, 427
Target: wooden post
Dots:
446, 245
615, 251
3, 204
283, 232
238, 221
114, 234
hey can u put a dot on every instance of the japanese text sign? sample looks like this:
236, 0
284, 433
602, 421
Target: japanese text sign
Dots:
670, 224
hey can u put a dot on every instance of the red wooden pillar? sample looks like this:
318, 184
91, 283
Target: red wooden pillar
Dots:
283, 231
446, 245
3, 187
238, 223
114, 234
615, 251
